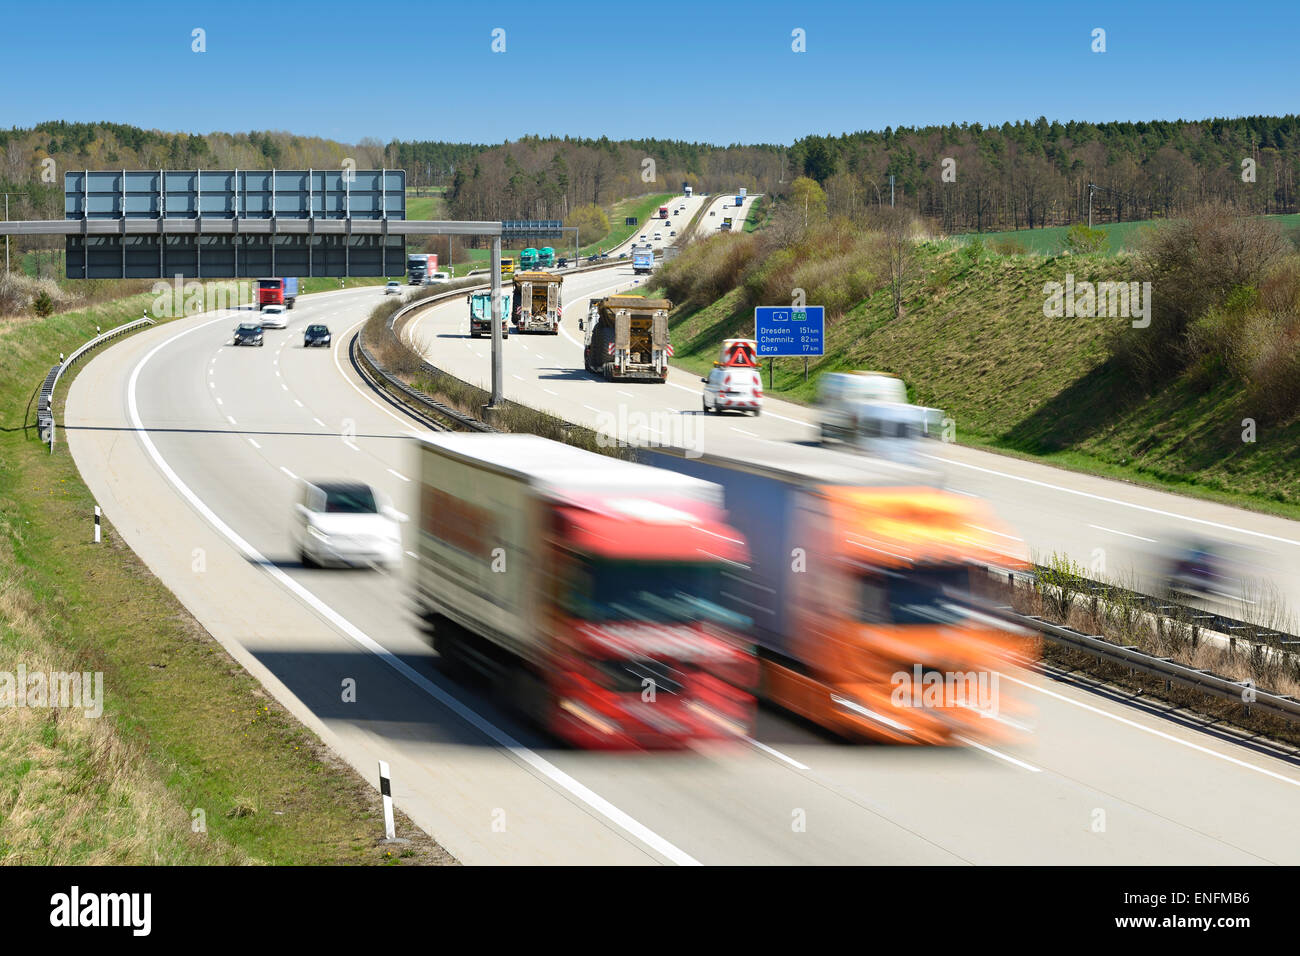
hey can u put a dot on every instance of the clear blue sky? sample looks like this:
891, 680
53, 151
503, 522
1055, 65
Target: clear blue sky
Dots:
716, 72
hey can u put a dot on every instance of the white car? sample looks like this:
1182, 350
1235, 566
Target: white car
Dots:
733, 388
437, 277
658, 236
392, 287
273, 317
346, 523
643, 236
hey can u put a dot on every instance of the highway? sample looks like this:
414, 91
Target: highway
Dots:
193, 449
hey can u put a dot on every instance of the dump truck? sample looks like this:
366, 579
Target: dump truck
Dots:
584, 588
480, 314
537, 302
643, 258
859, 585
627, 338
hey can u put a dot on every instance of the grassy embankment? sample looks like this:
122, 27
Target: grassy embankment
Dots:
184, 728
974, 341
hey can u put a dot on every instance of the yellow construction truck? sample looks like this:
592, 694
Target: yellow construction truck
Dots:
627, 338
537, 302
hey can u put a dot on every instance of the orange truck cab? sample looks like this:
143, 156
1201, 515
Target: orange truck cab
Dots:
859, 585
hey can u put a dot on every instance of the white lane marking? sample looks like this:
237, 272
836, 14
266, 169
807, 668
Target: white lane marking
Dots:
520, 377
766, 412
743, 432
549, 391
277, 373
1117, 501
254, 444
628, 394
291, 475
1000, 534
230, 419
320, 423
412, 554
776, 753
298, 402
553, 773
219, 402
211, 384
1123, 534
283, 386
1157, 733
591, 408
387, 411
997, 753
397, 474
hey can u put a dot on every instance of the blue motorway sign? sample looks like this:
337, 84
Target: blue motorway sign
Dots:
784, 330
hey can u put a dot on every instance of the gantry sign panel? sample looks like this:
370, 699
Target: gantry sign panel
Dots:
236, 223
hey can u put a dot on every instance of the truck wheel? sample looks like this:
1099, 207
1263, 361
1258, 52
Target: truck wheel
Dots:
705, 405
757, 412
305, 559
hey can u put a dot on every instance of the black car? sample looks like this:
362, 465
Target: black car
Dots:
248, 333
315, 335
593, 258
562, 264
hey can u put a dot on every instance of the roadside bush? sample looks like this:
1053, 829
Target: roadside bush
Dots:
1005, 246
43, 305
1195, 265
1082, 241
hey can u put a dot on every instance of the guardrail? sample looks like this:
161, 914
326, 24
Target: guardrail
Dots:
1165, 668
1234, 629
45, 405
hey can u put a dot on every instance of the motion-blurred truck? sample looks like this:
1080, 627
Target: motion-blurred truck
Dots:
277, 292
860, 589
870, 411
480, 314
627, 338
586, 589
643, 258
537, 302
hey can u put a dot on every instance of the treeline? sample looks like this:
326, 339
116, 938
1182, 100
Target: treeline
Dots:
970, 178
548, 178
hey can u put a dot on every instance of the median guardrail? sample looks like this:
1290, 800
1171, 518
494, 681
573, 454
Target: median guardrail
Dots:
45, 404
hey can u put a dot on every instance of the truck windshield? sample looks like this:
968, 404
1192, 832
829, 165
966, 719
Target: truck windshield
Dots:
926, 596
649, 591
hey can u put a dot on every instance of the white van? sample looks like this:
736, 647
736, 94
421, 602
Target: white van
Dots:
733, 388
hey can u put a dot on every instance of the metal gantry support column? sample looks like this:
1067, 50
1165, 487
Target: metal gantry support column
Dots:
496, 322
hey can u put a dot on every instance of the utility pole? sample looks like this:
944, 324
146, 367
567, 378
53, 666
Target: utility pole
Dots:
6, 235
496, 321
1091, 187
891, 190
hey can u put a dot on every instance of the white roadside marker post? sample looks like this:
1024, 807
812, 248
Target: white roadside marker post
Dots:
96, 524
386, 790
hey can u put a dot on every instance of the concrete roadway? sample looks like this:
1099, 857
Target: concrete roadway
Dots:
194, 449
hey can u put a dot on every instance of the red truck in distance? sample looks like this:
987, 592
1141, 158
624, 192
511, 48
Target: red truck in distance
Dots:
277, 292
